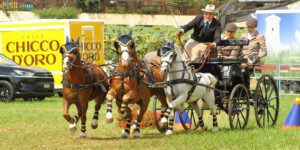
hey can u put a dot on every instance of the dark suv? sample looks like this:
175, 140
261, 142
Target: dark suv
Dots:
24, 82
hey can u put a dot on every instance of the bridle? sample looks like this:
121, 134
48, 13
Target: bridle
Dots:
125, 40
67, 55
165, 51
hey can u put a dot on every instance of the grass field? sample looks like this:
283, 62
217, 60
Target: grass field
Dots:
40, 125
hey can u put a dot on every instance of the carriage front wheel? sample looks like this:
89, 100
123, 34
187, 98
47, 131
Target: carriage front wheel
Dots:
239, 107
157, 115
266, 101
188, 117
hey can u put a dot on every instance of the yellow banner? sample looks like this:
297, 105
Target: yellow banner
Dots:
91, 40
38, 48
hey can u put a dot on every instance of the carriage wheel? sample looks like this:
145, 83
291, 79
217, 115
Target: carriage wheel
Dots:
158, 115
266, 101
239, 107
188, 117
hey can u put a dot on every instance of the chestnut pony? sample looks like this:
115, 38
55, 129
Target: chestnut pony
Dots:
82, 82
128, 85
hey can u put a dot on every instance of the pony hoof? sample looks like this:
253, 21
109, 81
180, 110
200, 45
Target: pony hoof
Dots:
164, 120
136, 134
82, 135
204, 128
124, 135
72, 128
169, 132
215, 129
94, 124
110, 120
132, 128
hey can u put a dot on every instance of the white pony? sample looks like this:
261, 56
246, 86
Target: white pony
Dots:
179, 91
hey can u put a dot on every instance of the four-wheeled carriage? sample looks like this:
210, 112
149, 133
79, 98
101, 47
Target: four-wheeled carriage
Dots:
237, 100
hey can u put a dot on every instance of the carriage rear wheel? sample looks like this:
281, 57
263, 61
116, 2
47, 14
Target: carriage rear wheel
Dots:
157, 115
239, 107
266, 101
188, 117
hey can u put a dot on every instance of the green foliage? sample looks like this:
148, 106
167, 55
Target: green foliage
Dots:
89, 5
146, 38
5, 10
120, 10
147, 10
58, 13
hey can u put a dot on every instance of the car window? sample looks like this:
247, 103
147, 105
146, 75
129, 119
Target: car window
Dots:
6, 61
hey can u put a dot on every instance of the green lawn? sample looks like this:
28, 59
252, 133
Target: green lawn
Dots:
40, 125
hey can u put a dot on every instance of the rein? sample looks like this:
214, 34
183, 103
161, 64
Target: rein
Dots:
180, 81
182, 47
204, 60
175, 71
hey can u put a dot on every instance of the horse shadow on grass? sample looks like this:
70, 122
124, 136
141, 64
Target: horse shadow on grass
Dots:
143, 136
162, 135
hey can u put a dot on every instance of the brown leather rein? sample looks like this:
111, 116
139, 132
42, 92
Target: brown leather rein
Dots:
204, 60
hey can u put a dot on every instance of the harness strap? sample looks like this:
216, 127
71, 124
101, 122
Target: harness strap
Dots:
191, 91
186, 81
172, 92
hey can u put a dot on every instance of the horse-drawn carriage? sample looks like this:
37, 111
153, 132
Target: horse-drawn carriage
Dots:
220, 82
231, 94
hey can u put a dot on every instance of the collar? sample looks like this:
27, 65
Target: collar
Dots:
251, 36
209, 22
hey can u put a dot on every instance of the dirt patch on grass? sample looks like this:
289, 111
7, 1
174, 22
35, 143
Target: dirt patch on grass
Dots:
3, 129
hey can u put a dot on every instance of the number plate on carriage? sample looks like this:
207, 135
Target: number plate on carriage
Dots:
47, 86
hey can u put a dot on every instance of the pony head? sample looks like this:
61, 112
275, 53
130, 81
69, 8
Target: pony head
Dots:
169, 53
69, 52
125, 47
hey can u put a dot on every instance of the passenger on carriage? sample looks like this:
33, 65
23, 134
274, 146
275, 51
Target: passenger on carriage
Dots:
207, 32
229, 51
254, 51
257, 43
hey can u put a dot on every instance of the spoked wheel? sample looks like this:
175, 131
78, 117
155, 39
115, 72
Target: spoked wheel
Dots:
239, 107
158, 114
266, 102
188, 118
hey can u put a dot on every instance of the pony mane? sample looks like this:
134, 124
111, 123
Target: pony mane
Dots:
177, 50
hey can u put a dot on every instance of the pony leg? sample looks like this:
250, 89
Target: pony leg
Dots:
199, 111
126, 131
83, 122
94, 123
67, 116
172, 105
110, 97
171, 124
210, 101
164, 103
135, 128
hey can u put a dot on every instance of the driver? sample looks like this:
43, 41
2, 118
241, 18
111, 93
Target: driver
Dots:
207, 32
